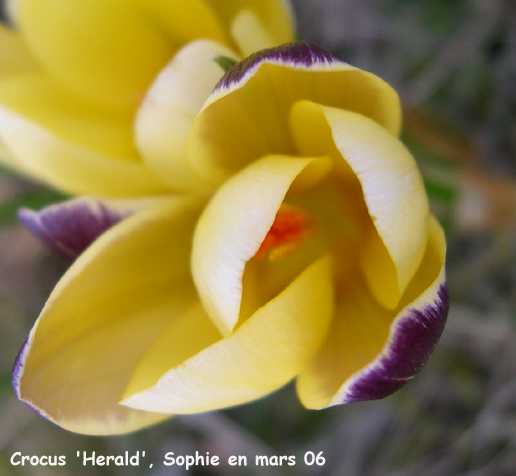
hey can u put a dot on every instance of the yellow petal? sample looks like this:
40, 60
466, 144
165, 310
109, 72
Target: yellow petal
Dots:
104, 314
15, 57
267, 351
232, 228
69, 167
275, 17
393, 192
169, 108
185, 21
9, 159
186, 335
249, 33
370, 352
247, 115
41, 100
99, 49
109, 52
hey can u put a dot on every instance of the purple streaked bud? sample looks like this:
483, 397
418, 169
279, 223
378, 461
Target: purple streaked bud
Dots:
71, 226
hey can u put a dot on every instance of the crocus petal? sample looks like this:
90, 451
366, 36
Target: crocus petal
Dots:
232, 228
15, 57
263, 354
247, 115
371, 352
169, 108
70, 227
185, 21
69, 166
393, 192
104, 314
250, 33
9, 159
43, 101
275, 17
109, 52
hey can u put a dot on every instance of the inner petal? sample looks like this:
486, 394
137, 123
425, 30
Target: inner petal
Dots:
328, 218
290, 227
396, 233
234, 226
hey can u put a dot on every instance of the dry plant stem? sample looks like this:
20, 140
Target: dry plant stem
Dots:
493, 256
230, 438
14, 419
454, 53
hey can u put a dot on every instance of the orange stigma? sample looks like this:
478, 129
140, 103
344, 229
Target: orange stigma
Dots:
290, 227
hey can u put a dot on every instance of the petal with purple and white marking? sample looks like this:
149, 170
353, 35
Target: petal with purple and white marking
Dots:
247, 115
104, 314
70, 227
371, 352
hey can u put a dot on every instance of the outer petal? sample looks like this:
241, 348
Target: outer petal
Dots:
247, 115
392, 186
105, 313
233, 227
9, 159
70, 167
40, 99
371, 352
70, 227
169, 108
267, 351
109, 52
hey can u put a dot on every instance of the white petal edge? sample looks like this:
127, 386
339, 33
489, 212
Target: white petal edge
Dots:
393, 190
234, 225
169, 108
262, 355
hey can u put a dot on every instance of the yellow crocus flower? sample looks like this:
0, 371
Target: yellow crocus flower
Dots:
79, 80
316, 258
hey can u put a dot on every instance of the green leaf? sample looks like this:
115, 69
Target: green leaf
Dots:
33, 200
225, 62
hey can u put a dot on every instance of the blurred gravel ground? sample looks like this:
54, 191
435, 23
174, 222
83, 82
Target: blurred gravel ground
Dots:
454, 64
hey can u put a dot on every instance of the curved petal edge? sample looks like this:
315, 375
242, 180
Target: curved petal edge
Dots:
306, 56
413, 339
70, 227
17, 371
296, 54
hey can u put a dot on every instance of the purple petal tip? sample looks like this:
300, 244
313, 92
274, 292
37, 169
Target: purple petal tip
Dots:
16, 375
413, 342
70, 227
296, 54
18, 367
